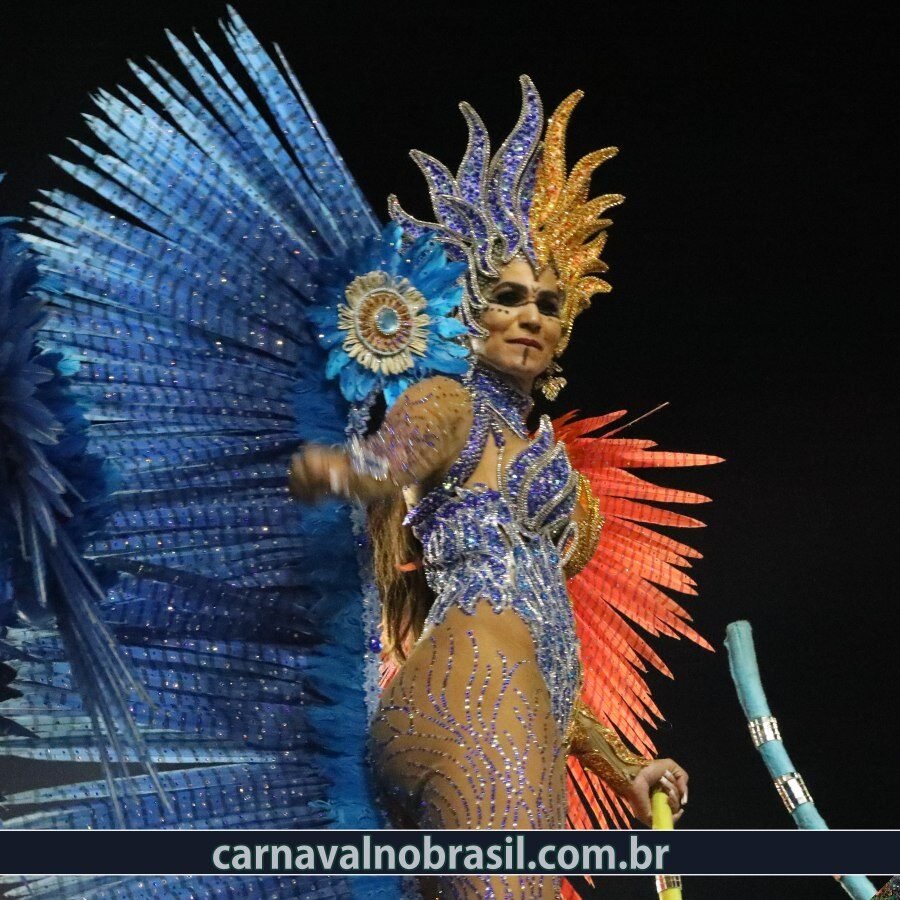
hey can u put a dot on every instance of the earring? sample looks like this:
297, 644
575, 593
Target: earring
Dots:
552, 382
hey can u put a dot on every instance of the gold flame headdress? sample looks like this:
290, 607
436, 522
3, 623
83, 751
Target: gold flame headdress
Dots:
520, 202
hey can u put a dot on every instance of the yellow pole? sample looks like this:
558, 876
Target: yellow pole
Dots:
668, 886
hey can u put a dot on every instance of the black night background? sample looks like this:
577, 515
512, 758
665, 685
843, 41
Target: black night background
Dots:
752, 275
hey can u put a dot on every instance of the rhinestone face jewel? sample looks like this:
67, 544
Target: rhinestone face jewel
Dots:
384, 321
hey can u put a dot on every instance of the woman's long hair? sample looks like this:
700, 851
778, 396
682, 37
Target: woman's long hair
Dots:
405, 595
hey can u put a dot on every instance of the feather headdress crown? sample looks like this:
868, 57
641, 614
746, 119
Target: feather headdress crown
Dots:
519, 202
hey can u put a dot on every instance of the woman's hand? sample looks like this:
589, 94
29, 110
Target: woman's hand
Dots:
316, 472
660, 773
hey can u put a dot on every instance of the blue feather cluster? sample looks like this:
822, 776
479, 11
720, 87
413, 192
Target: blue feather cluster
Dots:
49, 485
425, 266
51, 495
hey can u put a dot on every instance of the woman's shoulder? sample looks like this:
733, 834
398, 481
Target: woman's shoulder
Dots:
431, 420
439, 394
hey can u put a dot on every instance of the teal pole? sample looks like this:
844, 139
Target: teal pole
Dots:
767, 738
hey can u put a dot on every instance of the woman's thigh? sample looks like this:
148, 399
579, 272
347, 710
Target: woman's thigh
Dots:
465, 736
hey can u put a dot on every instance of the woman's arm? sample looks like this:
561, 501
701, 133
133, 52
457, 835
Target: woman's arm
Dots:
600, 750
423, 432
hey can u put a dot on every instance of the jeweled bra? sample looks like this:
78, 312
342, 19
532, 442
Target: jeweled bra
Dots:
504, 545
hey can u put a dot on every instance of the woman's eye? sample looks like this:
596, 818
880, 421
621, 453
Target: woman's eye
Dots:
506, 298
548, 307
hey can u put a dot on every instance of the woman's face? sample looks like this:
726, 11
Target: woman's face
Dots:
522, 321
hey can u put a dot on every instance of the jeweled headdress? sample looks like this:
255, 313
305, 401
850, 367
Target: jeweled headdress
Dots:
520, 202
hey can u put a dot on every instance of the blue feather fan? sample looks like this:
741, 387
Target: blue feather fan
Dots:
164, 600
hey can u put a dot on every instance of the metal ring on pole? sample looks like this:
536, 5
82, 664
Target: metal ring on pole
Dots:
763, 729
792, 790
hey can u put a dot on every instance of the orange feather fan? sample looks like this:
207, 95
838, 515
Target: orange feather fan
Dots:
621, 589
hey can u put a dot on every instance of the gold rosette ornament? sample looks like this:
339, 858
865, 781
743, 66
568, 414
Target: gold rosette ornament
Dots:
384, 322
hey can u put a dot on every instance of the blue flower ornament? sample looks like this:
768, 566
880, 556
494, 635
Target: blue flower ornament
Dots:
385, 314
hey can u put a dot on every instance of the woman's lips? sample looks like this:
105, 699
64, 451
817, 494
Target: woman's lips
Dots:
527, 342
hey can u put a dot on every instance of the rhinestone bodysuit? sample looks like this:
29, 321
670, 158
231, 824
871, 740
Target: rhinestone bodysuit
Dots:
504, 545
470, 731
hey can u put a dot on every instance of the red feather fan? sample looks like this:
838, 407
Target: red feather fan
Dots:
619, 596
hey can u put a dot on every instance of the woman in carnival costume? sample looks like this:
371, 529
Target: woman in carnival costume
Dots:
475, 727
248, 298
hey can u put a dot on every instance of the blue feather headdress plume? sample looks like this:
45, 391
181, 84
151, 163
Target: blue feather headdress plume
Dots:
482, 212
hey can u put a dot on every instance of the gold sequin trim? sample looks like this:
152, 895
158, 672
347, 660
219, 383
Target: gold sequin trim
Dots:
599, 749
587, 534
